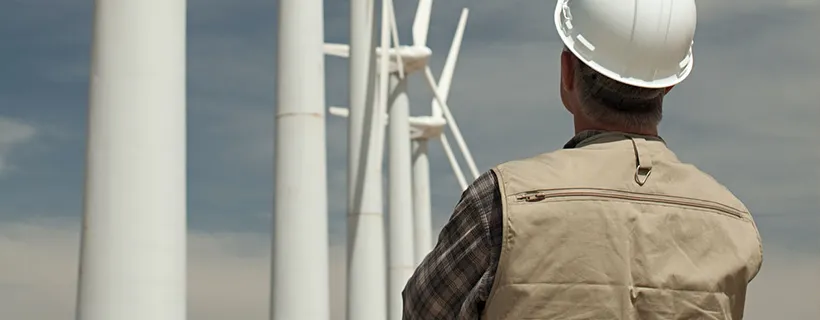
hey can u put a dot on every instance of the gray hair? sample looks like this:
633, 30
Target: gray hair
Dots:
609, 102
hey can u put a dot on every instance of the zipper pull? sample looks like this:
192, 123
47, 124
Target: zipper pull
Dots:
532, 197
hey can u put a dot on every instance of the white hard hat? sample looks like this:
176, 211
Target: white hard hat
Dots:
644, 43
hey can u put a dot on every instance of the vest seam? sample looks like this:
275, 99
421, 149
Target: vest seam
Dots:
502, 256
759, 263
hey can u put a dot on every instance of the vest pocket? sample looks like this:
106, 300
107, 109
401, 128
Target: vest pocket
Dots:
667, 304
545, 195
611, 302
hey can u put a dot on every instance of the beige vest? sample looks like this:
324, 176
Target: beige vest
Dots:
619, 228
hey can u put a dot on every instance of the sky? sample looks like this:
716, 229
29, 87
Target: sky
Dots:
747, 115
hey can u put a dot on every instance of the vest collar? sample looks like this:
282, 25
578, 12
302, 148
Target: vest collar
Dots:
588, 137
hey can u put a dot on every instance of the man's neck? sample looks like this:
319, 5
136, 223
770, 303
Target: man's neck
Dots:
581, 127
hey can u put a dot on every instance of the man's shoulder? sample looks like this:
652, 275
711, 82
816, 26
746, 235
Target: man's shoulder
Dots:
556, 166
538, 160
703, 185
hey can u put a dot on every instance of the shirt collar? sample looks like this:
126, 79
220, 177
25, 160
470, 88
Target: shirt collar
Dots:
590, 134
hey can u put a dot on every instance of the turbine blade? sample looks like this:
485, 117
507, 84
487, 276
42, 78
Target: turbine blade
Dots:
452, 58
395, 33
384, 62
421, 25
453, 163
340, 112
451, 122
337, 49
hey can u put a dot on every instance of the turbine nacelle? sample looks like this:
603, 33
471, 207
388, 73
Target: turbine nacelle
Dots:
423, 127
414, 58
426, 127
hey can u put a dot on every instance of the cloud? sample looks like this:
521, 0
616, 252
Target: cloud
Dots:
13, 133
228, 273
228, 276
786, 288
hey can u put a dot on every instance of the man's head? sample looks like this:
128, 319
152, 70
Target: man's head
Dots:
620, 59
600, 102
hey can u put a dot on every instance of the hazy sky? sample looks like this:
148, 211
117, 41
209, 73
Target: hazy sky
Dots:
748, 115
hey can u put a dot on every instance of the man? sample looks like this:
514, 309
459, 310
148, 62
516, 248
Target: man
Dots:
613, 226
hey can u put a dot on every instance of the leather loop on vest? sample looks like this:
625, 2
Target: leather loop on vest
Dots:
643, 159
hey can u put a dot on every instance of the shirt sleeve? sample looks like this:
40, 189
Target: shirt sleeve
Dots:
454, 280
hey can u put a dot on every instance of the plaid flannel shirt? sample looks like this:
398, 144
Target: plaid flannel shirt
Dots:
454, 280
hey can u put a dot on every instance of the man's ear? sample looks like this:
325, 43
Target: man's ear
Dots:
668, 89
567, 71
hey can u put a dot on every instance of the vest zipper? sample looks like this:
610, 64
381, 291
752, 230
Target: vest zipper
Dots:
542, 195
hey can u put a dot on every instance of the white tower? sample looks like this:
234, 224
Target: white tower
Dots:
299, 281
132, 261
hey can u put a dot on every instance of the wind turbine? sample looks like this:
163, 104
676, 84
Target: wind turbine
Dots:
411, 59
431, 127
395, 64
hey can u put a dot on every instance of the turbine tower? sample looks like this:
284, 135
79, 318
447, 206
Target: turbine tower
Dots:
299, 266
132, 256
366, 279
